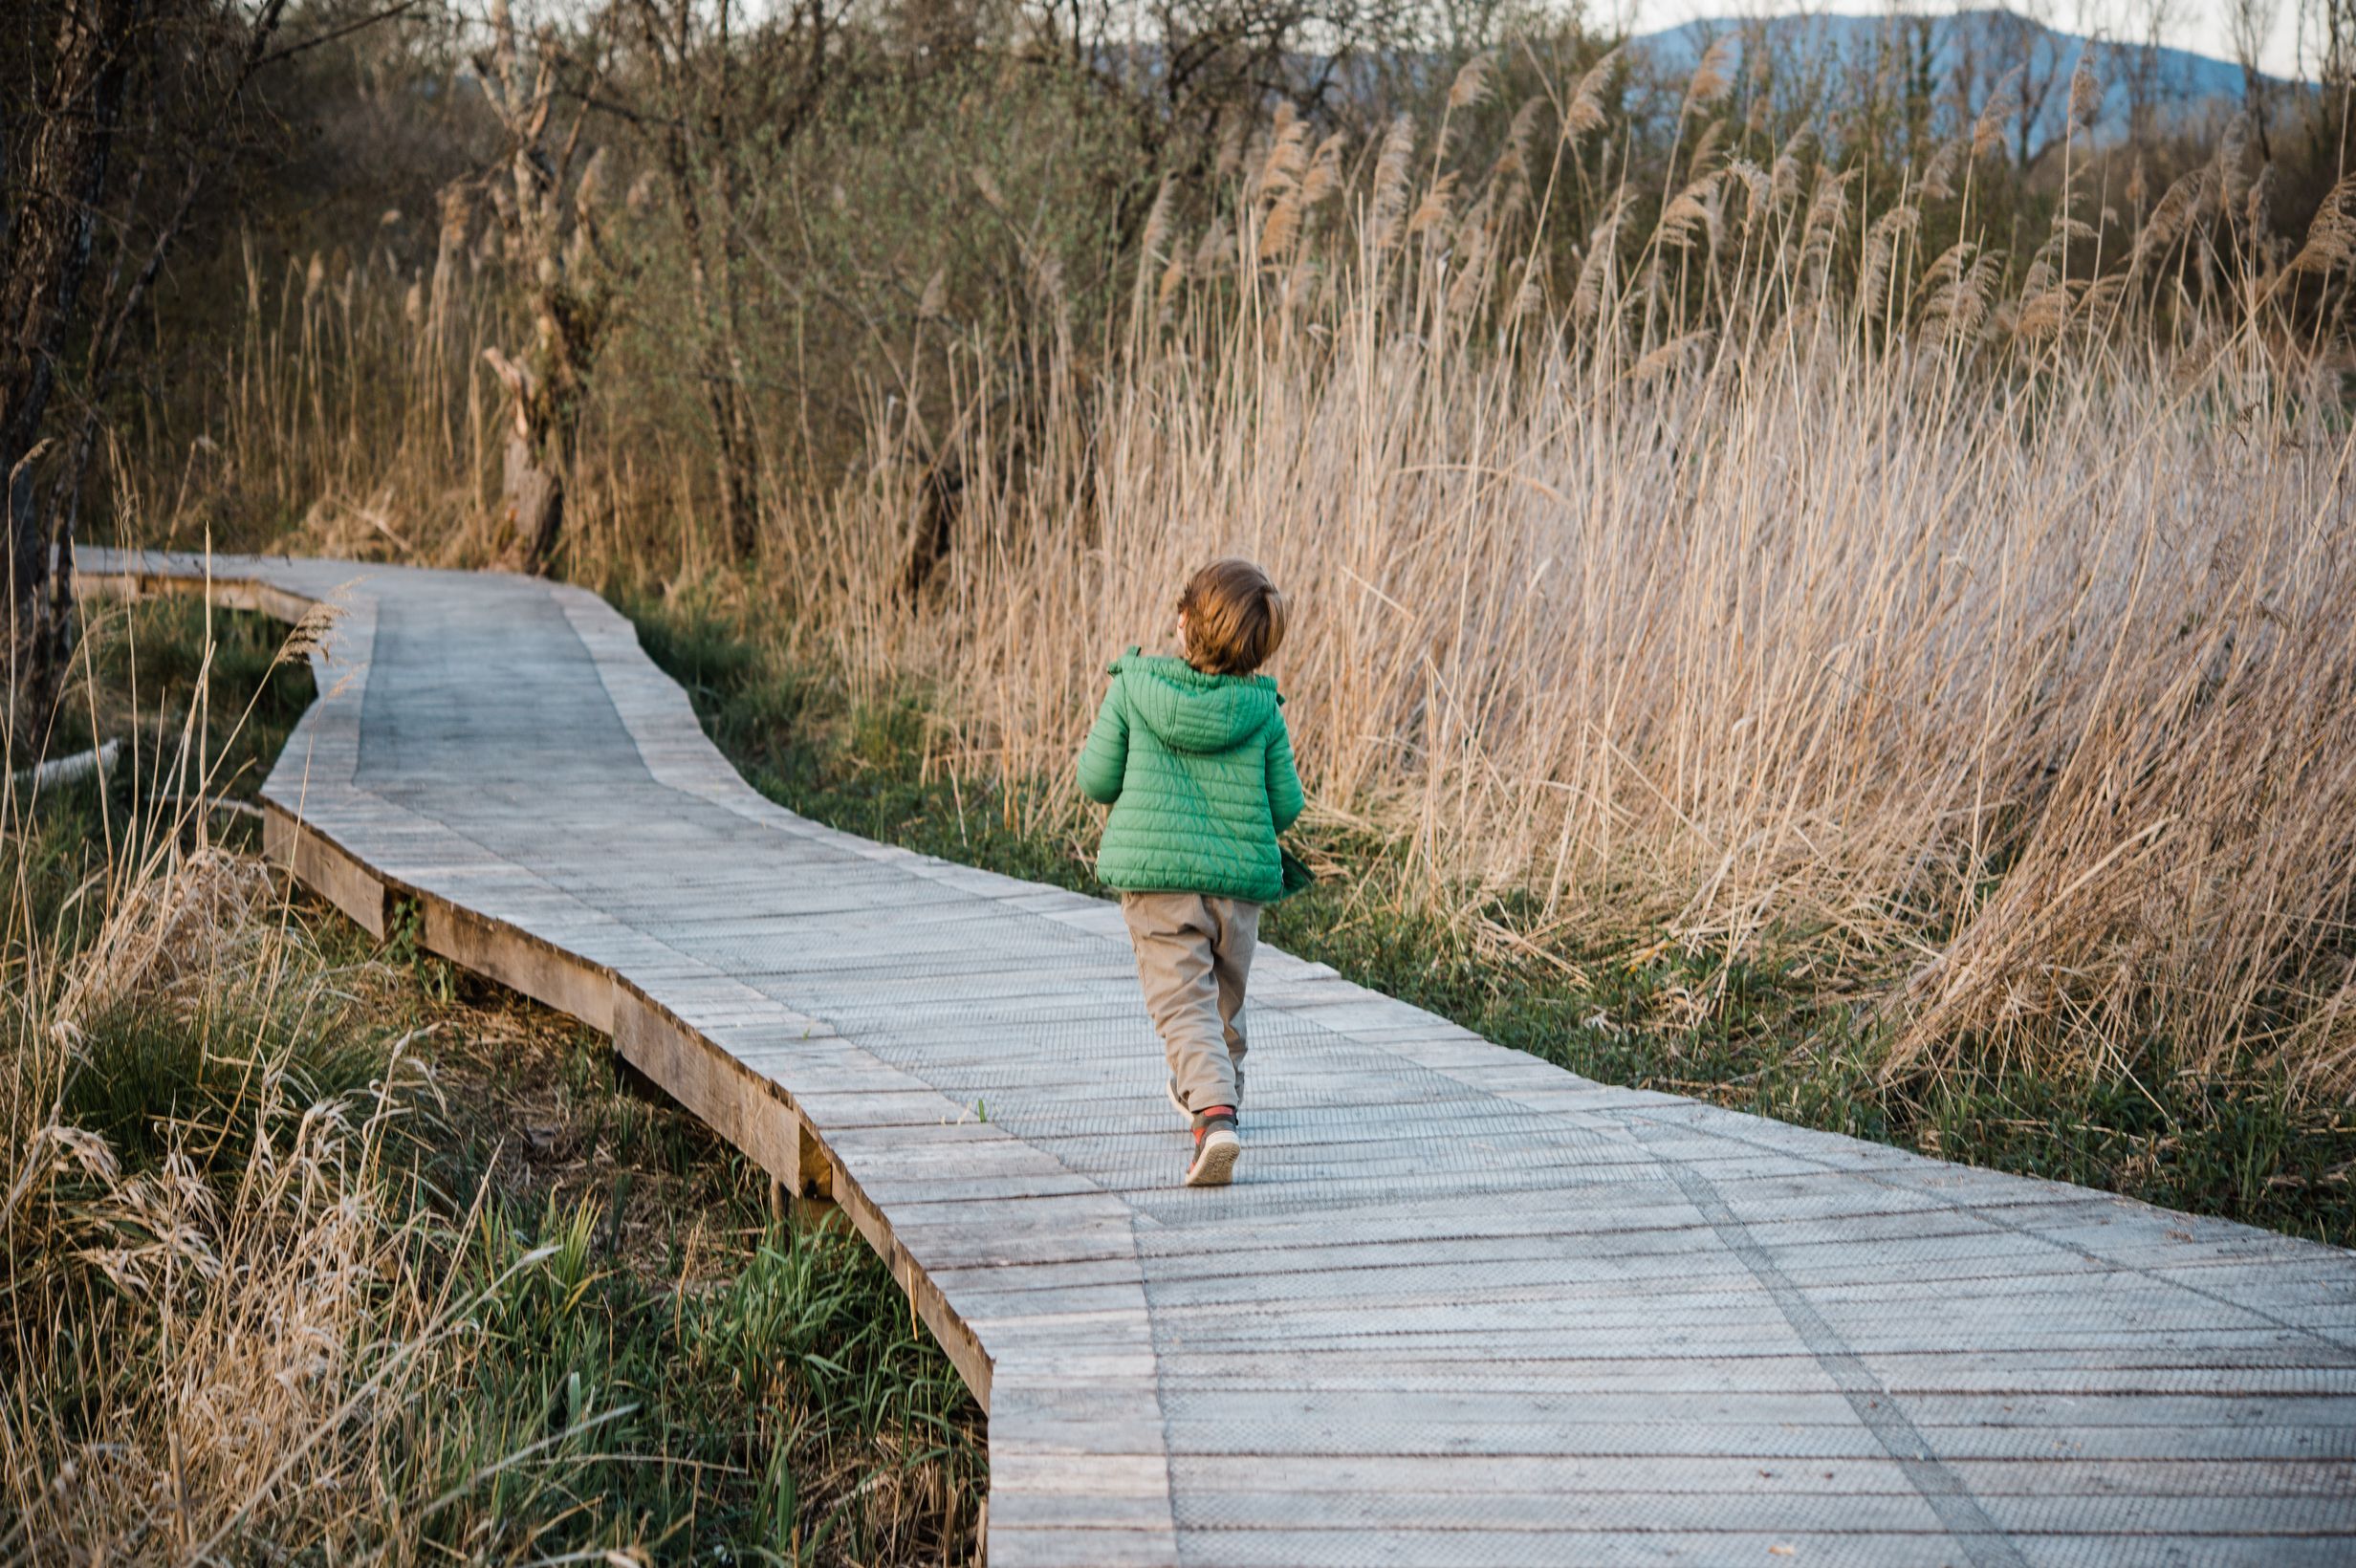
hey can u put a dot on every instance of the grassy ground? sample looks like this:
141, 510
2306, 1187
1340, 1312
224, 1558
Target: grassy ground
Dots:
1754, 1038
601, 1341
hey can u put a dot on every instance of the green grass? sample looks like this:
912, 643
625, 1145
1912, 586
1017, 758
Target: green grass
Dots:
1755, 1036
137, 682
762, 1411
759, 1389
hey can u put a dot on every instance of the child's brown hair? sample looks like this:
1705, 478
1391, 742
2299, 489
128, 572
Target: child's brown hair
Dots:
1235, 618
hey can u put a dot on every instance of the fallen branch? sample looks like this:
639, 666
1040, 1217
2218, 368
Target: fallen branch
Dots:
60, 771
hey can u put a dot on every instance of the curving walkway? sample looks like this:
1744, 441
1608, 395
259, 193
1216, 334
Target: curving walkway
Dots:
1462, 1307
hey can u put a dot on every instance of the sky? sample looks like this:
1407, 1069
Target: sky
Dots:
2202, 26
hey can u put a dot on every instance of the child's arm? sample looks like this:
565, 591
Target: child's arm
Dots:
1284, 799
1106, 758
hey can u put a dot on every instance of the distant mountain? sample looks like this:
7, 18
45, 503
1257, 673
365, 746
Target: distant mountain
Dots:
1979, 47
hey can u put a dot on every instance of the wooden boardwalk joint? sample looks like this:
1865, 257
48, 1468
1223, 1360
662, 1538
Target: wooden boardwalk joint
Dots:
1462, 1307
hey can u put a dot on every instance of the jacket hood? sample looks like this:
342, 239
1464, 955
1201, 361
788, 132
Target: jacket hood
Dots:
1192, 711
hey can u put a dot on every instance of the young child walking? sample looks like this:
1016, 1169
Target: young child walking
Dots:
1192, 756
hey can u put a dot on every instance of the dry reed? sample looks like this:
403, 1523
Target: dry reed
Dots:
1988, 648
1754, 575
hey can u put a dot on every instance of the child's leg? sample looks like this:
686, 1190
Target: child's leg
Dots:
1173, 935
1231, 964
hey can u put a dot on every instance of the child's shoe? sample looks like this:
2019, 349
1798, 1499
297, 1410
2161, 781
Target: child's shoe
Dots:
1215, 1148
1169, 1087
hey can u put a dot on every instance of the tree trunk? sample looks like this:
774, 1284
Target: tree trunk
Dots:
534, 491
62, 181
738, 452
942, 498
723, 365
538, 458
739, 493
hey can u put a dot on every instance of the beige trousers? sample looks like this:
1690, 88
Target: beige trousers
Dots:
1193, 955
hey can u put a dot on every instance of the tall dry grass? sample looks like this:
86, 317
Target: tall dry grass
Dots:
203, 1312
352, 414
233, 1331
1709, 563
1781, 585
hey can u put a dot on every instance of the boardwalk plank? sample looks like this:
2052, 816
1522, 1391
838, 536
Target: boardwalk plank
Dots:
1613, 1474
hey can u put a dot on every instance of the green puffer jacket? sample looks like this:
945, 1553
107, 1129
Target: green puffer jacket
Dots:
1198, 770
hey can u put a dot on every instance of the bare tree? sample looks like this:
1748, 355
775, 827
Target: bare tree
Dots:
546, 192
2012, 66
2029, 43
92, 85
712, 86
2150, 25
2333, 23
60, 145
2250, 22
696, 136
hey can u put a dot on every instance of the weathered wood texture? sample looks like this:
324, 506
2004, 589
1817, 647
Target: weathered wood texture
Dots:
1462, 1307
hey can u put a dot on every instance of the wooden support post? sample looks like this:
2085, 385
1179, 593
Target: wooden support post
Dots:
818, 1172
812, 1192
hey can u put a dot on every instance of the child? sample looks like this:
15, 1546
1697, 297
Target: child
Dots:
1192, 756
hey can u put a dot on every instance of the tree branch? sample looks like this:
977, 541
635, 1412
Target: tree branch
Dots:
400, 8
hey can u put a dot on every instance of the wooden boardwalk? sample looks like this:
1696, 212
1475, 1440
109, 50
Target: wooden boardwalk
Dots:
1462, 1307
